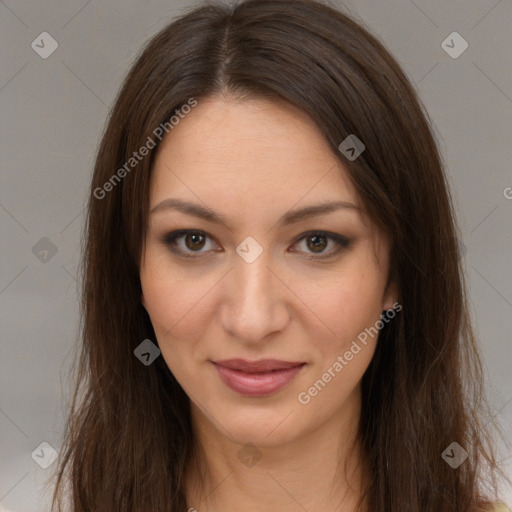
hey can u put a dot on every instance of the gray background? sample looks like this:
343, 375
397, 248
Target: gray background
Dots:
53, 111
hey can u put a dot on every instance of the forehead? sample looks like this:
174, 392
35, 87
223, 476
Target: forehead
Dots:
249, 161
247, 141
242, 128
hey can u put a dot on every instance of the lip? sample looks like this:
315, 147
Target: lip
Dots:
262, 365
257, 378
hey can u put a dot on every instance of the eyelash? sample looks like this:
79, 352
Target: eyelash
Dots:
342, 242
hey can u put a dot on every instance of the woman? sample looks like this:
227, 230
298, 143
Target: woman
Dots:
274, 308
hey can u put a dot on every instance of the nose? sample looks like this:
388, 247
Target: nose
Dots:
254, 304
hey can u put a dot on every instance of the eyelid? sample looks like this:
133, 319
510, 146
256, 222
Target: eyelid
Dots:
341, 241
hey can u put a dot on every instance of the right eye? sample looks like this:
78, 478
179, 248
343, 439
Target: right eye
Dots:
186, 242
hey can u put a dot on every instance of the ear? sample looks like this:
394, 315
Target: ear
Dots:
390, 296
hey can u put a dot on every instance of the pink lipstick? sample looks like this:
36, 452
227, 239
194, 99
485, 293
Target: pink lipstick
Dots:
257, 378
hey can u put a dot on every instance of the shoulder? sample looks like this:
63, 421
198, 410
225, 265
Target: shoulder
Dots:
501, 507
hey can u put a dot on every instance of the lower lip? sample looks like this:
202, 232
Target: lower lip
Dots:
257, 384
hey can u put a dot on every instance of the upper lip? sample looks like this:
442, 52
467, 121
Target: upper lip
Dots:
263, 365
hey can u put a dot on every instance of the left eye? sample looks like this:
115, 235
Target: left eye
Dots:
194, 241
316, 241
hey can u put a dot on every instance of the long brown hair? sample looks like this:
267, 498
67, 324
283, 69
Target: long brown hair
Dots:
128, 437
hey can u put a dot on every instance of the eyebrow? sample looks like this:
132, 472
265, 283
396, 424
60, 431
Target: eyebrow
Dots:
290, 217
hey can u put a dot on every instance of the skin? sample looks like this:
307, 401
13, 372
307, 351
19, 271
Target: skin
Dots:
253, 161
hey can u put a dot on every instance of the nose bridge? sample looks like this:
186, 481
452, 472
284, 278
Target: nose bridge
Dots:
254, 303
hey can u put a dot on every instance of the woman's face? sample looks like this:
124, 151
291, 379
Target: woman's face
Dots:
252, 280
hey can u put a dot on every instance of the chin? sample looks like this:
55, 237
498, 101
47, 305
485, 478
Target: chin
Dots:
269, 428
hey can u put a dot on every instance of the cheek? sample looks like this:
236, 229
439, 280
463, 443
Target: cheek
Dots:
179, 321
349, 307
175, 304
345, 303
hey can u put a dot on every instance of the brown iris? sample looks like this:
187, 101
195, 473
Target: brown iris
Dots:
196, 241
317, 245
